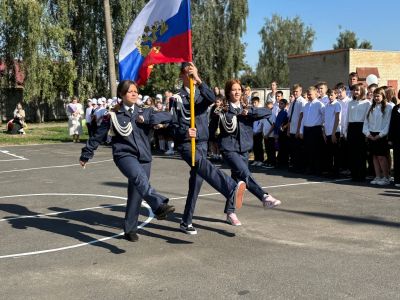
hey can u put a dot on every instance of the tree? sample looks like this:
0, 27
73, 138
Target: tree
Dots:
348, 39
281, 38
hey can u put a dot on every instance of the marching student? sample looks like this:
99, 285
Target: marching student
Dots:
332, 133
236, 139
310, 120
203, 169
131, 153
356, 113
376, 129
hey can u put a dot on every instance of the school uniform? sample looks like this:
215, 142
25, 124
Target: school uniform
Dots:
324, 100
332, 156
377, 124
88, 119
394, 137
311, 128
296, 145
203, 169
281, 134
132, 156
236, 140
356, 112
269, 140
343, 147
258, 141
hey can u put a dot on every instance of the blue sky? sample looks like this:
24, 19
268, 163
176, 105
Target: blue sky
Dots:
375, 21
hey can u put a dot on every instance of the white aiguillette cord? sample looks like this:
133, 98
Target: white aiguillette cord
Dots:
230, 127
122, 130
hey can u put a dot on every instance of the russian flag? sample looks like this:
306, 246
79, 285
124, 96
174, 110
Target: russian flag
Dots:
161, 33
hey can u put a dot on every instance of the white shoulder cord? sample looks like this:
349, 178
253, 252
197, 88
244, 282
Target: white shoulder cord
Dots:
122, 130
185, 113
230, 127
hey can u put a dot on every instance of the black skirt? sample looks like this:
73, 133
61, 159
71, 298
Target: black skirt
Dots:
378, 147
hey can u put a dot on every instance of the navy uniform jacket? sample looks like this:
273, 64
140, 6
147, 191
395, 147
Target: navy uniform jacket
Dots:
203, 98
136, 144
394, 129
241, 140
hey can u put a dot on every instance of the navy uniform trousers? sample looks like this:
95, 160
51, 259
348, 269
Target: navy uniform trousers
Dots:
139, 188
205, 170
239, 165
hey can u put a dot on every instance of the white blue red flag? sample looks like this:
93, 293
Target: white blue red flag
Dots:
161, 33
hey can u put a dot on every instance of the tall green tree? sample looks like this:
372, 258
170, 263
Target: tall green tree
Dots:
34, 35
281, 38
348, 39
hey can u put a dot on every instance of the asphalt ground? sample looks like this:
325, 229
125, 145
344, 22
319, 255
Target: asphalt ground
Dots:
61, 225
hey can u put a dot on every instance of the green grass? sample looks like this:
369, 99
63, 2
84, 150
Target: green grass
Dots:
46, 133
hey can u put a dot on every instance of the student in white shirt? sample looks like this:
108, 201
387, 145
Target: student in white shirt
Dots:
343, 147
296, 147
268, 124
332, 132
311, 119
356, 112
376, 128
322, 90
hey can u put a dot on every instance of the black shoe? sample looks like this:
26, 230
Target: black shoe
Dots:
162, 212
131, 236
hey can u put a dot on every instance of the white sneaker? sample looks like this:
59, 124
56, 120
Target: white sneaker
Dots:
376, 180
397, 185
169, 152
384, 181
270, 202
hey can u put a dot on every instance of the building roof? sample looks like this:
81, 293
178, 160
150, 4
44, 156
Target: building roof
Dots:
17, 70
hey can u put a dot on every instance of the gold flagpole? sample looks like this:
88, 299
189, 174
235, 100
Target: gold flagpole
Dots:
192, 119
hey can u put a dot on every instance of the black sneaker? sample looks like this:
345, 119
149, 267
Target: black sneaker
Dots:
189, 229
131, 236
162, 212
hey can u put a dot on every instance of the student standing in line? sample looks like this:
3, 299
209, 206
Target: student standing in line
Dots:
310, 120
356, 113
394, 139
257, 138
322, 90
332, 133
269, 140
296, 147
236, 139
203, 169
131, 153
280, 134
376, 128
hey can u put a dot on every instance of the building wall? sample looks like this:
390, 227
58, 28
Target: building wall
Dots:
334, 66
387, 62
329, 66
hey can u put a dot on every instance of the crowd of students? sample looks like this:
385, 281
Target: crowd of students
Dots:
332, 131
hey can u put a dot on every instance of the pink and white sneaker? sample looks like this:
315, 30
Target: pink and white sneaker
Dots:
270, 202
232, 219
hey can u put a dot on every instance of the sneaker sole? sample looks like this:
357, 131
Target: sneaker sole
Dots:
239, 194
230, 223
165, 214
188, 232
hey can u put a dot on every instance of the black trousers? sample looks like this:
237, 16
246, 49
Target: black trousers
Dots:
258, 147
357, 151
313, 143
396, 161
332, 157
269, 144
296, 153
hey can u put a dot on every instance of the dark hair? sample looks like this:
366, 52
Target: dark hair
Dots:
123, 87
353, 74
284, 101
228, 87
322, 83
279, 92
373, 85
331, 91
255, 98
362, 89
340, 86
378, 91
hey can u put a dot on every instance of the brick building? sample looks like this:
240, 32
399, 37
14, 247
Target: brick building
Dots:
334, 66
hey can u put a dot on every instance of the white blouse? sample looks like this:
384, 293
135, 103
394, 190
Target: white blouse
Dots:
378, 121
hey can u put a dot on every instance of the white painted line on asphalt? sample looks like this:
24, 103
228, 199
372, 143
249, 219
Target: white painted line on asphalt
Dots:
13, 155
53, 167
145, 222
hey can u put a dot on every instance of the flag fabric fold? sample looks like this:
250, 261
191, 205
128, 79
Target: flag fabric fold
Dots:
161, 33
